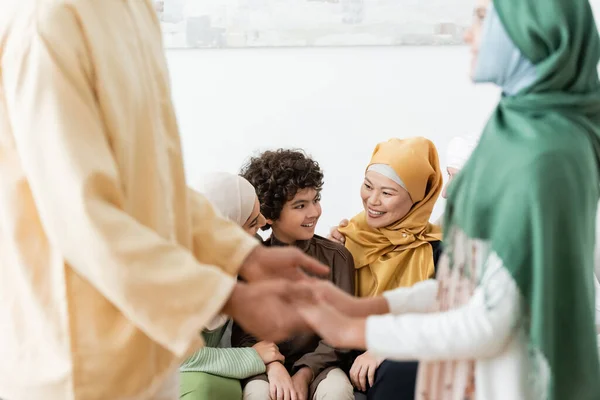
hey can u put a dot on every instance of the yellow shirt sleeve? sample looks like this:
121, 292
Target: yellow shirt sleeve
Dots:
65, 153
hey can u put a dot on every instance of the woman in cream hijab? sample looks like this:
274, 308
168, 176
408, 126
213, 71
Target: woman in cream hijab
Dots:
235, 198
393, 243
213, 372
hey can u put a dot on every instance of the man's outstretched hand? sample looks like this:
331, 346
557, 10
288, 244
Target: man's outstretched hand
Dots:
280, 263
265, 309
326, 292
335, 328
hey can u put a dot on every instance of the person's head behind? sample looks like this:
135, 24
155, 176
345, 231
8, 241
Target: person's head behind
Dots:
235, 198
474, 33
459, 151
402, 178
496, 58
288, 184
536, 47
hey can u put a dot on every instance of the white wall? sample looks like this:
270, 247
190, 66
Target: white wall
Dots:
334, 103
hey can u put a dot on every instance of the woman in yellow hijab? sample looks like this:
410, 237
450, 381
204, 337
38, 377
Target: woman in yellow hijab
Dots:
393, 244
392, 241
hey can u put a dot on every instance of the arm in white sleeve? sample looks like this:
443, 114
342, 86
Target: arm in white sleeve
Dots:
419, 298
479, 329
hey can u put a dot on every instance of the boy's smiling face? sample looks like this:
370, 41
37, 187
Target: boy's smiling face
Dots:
299, 217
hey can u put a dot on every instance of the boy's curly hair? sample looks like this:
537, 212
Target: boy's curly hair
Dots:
278, 175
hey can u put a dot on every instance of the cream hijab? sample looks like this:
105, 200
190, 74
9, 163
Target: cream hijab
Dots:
234, 198
457, 154
232, 195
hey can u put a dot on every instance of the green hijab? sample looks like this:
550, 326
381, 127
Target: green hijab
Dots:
531, 188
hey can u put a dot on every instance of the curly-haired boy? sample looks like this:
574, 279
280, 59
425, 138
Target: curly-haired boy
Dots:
288, 184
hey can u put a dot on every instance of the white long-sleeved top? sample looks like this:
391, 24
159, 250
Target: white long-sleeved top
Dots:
487, 329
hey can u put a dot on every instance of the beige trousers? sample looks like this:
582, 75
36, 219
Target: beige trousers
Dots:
336, 386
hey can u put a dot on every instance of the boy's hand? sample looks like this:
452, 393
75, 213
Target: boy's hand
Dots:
281, 386
302, 380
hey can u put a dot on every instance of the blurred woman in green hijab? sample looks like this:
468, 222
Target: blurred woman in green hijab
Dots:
511, 315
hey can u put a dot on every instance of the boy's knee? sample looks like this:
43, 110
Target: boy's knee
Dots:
335, 386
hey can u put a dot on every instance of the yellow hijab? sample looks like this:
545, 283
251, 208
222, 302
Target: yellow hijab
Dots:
399, 255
